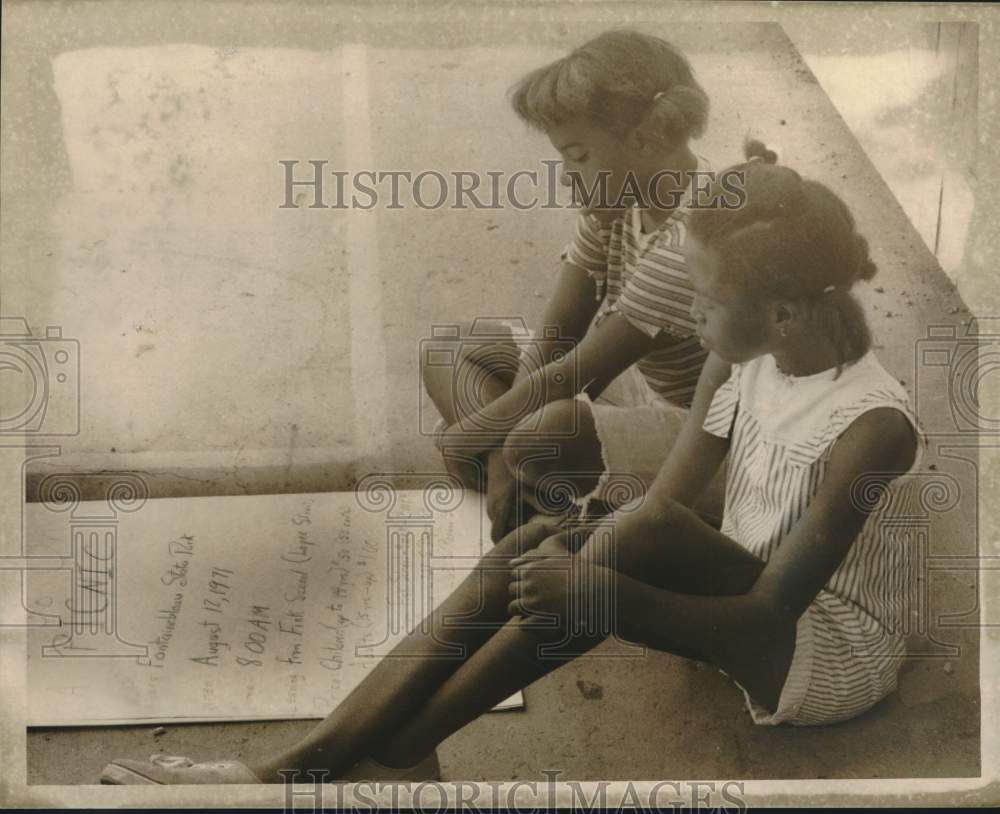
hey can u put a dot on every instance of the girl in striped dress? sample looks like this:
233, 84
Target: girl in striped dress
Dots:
800, 597
818, 434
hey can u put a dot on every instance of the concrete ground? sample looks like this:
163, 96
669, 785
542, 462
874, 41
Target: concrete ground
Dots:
228, 346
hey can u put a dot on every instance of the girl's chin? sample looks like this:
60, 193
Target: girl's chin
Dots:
603, 215
725, 357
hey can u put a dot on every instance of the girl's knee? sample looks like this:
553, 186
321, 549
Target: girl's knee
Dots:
555, 423
557, 419
516, 451
523, 538
495, 351
555, 544
759, 661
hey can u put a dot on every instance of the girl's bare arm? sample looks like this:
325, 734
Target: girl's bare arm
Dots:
570, 308
568, 313
877, 448
605, 351
879, 445
696, 455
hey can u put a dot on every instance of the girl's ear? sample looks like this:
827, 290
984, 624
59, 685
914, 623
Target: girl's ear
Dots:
633, 143
783, 316
647, 144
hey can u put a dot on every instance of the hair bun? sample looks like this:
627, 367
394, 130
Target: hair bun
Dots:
754, 148
865, 267
683, 109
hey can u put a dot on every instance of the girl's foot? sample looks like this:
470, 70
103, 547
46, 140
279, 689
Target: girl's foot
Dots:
167, 770
370, 769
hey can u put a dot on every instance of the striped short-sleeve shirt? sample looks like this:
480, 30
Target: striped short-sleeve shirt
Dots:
644, 277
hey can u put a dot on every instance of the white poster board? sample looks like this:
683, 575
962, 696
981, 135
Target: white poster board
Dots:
234, 608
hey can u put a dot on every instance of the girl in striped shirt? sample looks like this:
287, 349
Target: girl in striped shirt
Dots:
800, 596
621, 111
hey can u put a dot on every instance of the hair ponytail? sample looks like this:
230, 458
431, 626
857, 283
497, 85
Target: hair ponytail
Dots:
678, 113
865, 267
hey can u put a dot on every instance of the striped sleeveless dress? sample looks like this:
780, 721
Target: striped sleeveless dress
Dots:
850, 641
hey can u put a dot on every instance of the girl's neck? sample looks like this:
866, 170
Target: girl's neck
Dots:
683, 161
806, 357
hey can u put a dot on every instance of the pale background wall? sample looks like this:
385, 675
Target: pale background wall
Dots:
229, 346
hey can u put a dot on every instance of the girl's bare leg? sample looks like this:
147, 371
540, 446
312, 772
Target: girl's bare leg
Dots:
704, 562
415, 698
508, 662
457, 390
577, 459
400, 684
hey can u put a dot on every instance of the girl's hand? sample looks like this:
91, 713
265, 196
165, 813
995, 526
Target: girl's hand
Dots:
554, 545
528, 536
539, 587
546, 583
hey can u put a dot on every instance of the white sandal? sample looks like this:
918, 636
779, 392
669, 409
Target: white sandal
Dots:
166, 770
